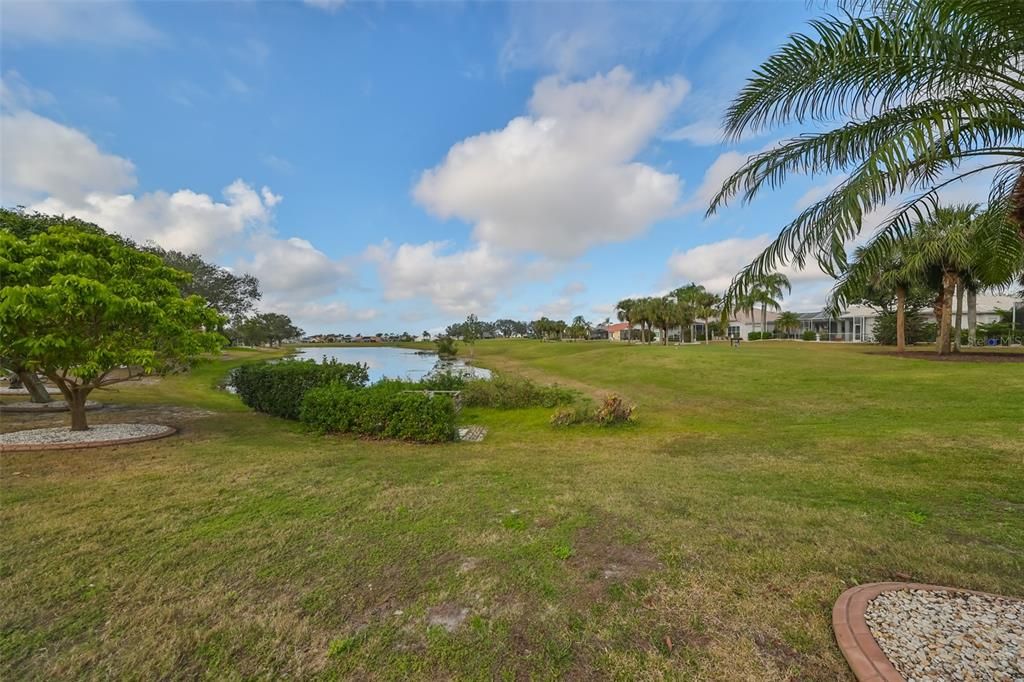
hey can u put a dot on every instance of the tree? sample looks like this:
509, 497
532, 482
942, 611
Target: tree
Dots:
233, 296
624, 311
788, 322
958, 241
766, 293
580, 328
904, 97
706, 307
88, 311
426, 335
471, 331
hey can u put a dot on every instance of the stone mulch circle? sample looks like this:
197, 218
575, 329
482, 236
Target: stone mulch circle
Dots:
7, 390
472, 433
895, 632
100, 435
54, 406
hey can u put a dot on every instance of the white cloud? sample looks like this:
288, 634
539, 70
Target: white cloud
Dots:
294, 268
457, 283
17, 94
326, 5
61, 22
184, 220
715, 264
720, 169
42, 157
562, 308
563, 178
703, 133
236, 84
573, 288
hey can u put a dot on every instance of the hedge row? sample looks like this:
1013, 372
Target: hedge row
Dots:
508, 392
278, 388
385, 410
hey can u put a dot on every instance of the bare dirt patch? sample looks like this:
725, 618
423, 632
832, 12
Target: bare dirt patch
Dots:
448, 616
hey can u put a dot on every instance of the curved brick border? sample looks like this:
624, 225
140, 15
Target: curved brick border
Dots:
867, 660
28, 447
44, 408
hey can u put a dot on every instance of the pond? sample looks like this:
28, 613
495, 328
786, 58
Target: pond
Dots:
390, 362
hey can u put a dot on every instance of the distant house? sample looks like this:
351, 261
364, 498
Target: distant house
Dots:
618, 331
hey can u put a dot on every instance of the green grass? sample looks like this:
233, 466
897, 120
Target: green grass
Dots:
707, 541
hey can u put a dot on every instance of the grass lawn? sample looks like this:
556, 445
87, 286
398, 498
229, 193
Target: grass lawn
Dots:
708, 541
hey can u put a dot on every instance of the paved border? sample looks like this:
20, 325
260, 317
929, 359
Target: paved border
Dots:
867, 660
29, 447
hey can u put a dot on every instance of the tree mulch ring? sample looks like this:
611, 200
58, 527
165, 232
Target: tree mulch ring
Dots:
7, 390
967, 356
892, 632
53, 406
63, 438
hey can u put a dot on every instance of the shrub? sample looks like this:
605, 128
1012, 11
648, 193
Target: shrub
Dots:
446, 346
278, 388
809, 335
885, 329
753, 336
384, 410
506, 392
444, 381
612, 410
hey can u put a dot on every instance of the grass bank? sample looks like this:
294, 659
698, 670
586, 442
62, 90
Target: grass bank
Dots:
708, 541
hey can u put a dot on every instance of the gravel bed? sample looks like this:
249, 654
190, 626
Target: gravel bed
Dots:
7, 390
54, 406
938, 635
62, 435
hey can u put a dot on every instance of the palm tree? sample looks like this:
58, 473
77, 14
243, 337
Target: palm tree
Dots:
688, 295
625, 311
957, 242
766, 292
787, 322
707, 306
878, 267
905, 97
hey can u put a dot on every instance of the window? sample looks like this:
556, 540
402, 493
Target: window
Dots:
734, 330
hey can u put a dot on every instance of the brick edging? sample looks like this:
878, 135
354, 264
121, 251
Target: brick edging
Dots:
867, 660
29, 447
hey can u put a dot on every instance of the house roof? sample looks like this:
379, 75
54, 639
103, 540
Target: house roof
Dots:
617, 327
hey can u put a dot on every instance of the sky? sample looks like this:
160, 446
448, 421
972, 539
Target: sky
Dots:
398, 166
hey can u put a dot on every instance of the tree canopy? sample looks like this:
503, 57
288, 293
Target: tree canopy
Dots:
233, 296
89, 311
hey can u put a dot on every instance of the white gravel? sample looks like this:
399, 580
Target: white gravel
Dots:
7, 390
936, 635
62, 434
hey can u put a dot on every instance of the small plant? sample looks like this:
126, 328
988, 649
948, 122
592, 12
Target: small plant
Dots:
563, 550
809, 335
614, 411
580, 412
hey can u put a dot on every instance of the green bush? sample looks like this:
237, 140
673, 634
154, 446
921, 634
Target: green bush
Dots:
809, 335
885, 329
507, 392
446, 346
278, 388
384, 410
444, 381
753, 336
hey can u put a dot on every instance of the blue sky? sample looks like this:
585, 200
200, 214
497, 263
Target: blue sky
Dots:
398, 166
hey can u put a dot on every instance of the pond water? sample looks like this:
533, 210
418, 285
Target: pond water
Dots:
390, 362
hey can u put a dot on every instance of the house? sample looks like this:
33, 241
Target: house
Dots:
618, 331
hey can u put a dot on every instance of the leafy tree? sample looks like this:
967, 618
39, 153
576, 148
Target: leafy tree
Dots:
580, 328
233, 296
625, 311
24, 225
425, 335
88, 311
902, 97
446, 346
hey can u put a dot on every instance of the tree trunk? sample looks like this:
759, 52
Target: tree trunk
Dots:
764, 320
959, 315
901, 319
37, 392
77, 405
946, 323
972, 317
707, 332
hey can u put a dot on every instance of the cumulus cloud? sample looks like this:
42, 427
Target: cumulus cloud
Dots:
185, 220
720, 169
715, 264
42, 157
457, 283
319, 313
53, 22
294, 268
564, 177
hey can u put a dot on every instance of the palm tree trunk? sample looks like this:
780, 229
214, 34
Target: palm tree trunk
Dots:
707, 332
764, 319
901, 319
949, 278
972, 317
959, 315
